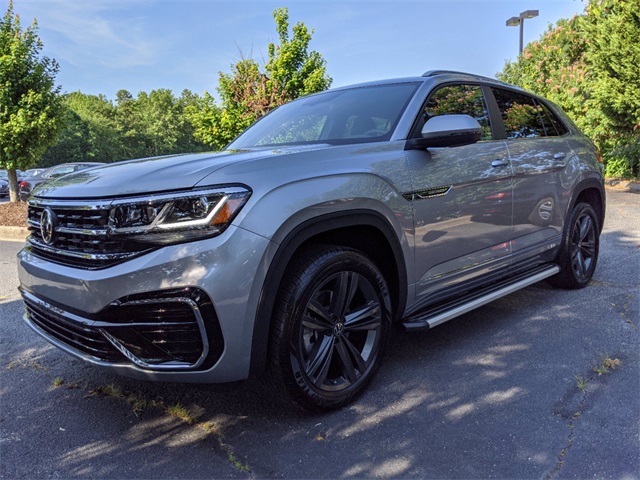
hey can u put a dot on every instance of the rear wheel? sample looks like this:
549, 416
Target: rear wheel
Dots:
331, 319
580, 246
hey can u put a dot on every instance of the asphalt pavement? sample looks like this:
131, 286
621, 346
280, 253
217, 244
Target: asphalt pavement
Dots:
541, 384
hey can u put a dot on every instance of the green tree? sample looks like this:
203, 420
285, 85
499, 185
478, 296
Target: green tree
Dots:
590, 66
163, 123
249, 92
89, 132
129, 125
30, 105
73, 144
292, 70
96, 129
614, 60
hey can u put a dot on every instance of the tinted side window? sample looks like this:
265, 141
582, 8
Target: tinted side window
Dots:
550, 118
460, 99
520, 114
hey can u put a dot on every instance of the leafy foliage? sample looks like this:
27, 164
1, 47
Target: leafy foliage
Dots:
590, 65
96, 129
249, 92
30, 107
40, 125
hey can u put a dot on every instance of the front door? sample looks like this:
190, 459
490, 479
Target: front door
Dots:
462, 199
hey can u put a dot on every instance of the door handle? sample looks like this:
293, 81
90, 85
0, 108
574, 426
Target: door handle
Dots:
559, 156
501, 162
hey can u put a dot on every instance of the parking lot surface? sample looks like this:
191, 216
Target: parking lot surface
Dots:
544, 383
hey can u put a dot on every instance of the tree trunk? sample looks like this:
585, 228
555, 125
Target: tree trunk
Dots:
13, 185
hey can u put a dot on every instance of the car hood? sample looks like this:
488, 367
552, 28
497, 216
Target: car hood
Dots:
147, 175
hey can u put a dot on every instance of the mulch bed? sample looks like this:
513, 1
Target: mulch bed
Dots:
13, 214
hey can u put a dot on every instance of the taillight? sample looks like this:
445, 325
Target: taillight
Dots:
23, 184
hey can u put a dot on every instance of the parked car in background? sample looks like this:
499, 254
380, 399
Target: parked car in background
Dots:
4, 175
4, 181
27, 184
292, 253
32, 172
4, 188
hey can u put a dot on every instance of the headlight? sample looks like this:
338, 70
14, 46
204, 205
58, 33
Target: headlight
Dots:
176, 217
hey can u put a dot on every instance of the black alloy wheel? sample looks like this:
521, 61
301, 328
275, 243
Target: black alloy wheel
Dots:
579, 251
331, 321
583, 247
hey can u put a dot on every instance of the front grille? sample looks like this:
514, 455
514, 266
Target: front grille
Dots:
168, 330
82, 238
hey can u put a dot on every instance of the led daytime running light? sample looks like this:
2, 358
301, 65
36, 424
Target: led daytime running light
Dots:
167, 213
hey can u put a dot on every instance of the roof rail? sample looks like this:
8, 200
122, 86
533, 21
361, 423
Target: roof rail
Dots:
433, 73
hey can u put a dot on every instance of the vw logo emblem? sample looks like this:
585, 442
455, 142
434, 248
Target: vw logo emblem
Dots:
338, 329
48, 223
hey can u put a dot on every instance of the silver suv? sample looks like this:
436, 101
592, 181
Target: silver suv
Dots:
292, 253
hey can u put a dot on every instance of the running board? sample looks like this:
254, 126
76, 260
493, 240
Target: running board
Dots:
444, 312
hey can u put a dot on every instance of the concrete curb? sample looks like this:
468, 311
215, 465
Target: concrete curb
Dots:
14, 234
623, 184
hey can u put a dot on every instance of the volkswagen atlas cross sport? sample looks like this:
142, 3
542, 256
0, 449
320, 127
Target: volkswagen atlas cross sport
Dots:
292, 253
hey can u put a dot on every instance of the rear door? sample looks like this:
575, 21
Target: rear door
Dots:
462, 201
539, 155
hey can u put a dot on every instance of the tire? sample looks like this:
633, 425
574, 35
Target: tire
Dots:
578, 254
331, 320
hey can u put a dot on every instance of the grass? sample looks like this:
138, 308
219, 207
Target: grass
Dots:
178, 411
25, 364
139, 403
606, 364
581, 383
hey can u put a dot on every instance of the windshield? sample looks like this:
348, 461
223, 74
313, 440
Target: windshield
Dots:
362, 114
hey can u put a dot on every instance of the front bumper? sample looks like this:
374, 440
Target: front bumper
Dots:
155, 331
180, 313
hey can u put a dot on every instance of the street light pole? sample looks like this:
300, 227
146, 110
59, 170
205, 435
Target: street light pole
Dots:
519, 21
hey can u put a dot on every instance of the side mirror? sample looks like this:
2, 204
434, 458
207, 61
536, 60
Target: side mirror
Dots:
447, 131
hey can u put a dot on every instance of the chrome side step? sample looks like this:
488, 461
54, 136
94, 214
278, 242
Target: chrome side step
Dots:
444, 312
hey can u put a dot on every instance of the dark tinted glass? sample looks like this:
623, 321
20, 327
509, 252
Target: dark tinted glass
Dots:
460, 99
550, 118
520, 114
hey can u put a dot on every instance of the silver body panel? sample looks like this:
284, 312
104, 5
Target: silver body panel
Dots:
204, 264
458, 214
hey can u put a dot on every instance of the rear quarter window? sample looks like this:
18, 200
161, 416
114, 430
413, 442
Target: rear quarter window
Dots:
550, 118
520, 114
525, 117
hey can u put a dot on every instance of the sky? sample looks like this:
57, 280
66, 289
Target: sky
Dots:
103, 46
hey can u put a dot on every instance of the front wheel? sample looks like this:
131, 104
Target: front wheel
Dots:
331, 319
579, 250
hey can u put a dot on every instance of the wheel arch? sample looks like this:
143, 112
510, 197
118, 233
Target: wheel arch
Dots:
364, 230
591, 191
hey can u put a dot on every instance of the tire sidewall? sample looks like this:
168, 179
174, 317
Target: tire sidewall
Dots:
568, 277
312, 274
